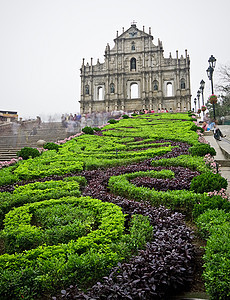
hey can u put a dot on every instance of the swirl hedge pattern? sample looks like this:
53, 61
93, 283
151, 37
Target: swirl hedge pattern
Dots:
103, 215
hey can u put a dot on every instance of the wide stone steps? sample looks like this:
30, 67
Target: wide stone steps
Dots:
8, 154
10, 144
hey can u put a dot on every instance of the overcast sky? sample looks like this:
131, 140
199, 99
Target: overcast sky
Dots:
43, 43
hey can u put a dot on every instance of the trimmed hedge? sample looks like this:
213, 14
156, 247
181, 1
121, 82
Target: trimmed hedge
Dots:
208, 182
28, 152
45, 268
38, 191
188, 202
202, 150
51, 146
187, 161
215, 226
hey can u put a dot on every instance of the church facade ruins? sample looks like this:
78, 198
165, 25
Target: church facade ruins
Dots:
134, 76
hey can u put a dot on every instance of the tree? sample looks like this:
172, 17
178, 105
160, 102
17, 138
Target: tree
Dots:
223, 86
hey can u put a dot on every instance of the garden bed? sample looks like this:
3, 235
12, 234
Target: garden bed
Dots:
123, 205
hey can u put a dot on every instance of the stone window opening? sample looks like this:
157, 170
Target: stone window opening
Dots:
134, 91
133, 46
112, 88
133, 64
169, 89
155, 85
100, 93
182, 84
87, 90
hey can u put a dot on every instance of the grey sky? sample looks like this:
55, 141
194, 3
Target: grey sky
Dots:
43, 43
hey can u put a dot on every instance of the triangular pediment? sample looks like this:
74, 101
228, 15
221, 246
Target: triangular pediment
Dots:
133, 32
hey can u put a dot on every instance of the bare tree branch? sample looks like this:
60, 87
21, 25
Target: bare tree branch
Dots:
223, 84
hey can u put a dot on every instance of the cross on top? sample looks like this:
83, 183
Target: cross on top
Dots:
133, 23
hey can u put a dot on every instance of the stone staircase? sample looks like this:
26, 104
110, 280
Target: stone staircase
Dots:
10, 144
222, 152
222, 147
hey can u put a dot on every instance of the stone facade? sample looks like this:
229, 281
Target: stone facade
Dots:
136, 76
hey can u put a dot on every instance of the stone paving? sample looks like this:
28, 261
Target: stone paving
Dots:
222, 151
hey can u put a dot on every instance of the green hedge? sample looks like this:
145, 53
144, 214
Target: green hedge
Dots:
81, 261
215, 226
194, 163
180, 200
188, 202
49, 163
7, 176
38, 191
208, 182
202, 150
28, 152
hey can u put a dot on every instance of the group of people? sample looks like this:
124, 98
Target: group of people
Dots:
213, 126
160, 110
75, 122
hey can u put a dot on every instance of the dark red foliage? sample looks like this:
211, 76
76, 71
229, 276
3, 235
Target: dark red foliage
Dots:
182, 180
167, 262
156, 272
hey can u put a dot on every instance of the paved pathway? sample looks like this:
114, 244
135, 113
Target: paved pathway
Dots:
222, 151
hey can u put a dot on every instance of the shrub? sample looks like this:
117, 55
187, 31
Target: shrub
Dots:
214, 225
207, 222
125, 117
51, 146
58, 223
180, 200
193, 127
208, 182
217, 263
7, 176
88, 130
206, 202
187, 161
202, 150
96, 129
28, 152
38, 191
112, 121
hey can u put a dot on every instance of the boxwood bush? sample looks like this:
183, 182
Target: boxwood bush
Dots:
88, 130
202, 150
112, 121
51, 146
208, 182
28, 152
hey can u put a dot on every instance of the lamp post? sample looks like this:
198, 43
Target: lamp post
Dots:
202, 83
195, 104
198, 98
210, 70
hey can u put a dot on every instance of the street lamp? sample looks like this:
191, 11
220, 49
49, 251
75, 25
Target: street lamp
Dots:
202, 83
198, 97
195, 104
210, 70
